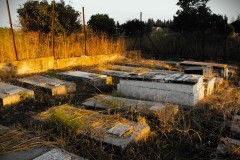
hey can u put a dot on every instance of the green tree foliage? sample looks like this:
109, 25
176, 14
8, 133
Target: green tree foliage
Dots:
194, 15
37, 16
101, 23
132, 27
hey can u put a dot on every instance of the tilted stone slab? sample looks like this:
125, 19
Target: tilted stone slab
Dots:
11, 94
98, 128
51, 85
97, 80
210, 86
110, 102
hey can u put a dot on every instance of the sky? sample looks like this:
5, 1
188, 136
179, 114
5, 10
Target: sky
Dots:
124, 10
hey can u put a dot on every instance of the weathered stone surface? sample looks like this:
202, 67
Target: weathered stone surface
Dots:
119, 129
54, 154
29, 154
133, 70
52, 85
96, 80
109, 102
157, 95
222, 69
138, 131
10, 94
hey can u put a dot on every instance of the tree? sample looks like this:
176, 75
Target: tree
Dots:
37, 16
101, 23
236, 25
132, 27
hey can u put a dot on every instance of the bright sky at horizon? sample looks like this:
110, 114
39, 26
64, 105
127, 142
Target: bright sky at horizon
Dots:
127, 9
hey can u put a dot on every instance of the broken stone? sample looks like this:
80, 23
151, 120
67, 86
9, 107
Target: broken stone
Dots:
52, 85
10, 94
119, 129
229, 145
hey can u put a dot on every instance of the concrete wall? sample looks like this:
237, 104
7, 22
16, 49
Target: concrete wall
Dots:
43, 64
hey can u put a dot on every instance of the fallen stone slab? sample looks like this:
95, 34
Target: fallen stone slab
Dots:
229, 146
95, 125
97, 80
51, 85
110, 102
11, 94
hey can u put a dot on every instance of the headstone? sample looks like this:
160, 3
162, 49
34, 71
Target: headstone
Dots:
11, 94
51, 85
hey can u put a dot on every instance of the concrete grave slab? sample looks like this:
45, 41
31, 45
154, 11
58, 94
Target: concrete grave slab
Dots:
119, 129
206, 71
11, 94
97, 80
3, 128
222, 69
150, 94
106, 102
51, 85
171, 87
96, 125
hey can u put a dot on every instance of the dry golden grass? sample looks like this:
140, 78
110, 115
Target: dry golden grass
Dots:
33, 45
18, 140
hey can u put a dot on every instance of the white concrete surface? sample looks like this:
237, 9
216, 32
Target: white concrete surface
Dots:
158, 95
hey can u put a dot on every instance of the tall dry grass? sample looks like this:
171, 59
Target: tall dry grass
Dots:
34, 45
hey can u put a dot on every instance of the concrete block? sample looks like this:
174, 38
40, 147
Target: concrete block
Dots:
157, 95
10, 94
183, 88
96, 80
51, 85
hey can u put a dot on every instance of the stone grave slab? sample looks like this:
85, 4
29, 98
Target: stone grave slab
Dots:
110, 102
206, 71
133, 70
3, 128
51, 85
97, 126
11, 94
209, 86
177, 88
97, 80
221, 69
